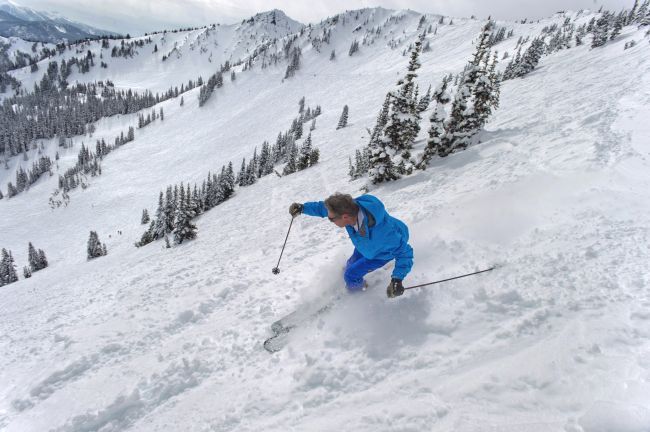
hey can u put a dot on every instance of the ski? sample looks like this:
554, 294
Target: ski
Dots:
282, 327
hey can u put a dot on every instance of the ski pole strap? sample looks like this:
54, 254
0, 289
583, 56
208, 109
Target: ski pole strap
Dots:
445, 280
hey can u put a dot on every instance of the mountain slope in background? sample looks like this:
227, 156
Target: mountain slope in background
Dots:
157, 339
31, 25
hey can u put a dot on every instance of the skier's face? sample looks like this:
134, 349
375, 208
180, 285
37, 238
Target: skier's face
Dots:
340, 220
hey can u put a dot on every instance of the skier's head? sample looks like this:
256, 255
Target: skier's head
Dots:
341, 209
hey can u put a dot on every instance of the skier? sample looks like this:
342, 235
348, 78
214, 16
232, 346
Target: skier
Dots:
378, 238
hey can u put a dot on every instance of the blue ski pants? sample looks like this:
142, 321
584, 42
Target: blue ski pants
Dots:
357, 267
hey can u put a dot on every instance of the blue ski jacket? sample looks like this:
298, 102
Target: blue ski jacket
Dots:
385, 236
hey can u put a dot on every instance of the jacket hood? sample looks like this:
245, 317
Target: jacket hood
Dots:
373, 205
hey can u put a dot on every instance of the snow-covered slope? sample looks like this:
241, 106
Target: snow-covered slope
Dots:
156, 339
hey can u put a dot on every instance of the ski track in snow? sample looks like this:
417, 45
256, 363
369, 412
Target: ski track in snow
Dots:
557, 339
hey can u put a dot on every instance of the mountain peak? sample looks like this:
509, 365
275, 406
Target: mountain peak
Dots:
274, 17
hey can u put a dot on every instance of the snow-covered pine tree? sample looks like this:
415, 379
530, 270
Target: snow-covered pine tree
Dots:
148, 236
241, 177
214, 194
265, 154
463, 121
437, 126
185, 229
482, 95
643, 15
145, 217
305, 154
228, 182
314, 156
35, 258
601, 31
343, 120
251, 177
619, 23
27, 272
195, 202
632, 15
294, 62
42, 259
161, 219
424, 101
292, 160
382, 119
170, 208
403, 121
95, 248
298, 130
354, 47
7, 268
495, 82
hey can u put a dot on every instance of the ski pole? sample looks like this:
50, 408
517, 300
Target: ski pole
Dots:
276, 269
456, 277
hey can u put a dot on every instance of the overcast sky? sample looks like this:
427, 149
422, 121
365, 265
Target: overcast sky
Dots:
139, 16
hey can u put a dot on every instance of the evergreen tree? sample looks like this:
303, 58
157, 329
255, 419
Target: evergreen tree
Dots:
464, 122
601, 31
382, 119
423, 104
305, 153
185, 229
95, 248
145, 217
7, 268
228, 182
241, 177
343, 120
292, 161
298, 130
314, 156
161, 219
618, 26
403, 123
37, 260
182, 101
26, 272
42, 258
632, 16
148, 236
353, 48
170, 209
437, 127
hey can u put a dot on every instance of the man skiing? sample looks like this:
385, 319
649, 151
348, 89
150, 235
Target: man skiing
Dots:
378, 238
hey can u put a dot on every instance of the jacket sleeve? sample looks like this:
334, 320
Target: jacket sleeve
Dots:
403, 262
315, 208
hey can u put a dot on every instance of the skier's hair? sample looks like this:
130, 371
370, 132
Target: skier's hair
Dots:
341, 204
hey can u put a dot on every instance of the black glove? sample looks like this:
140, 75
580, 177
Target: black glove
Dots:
295, 209
395, 288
